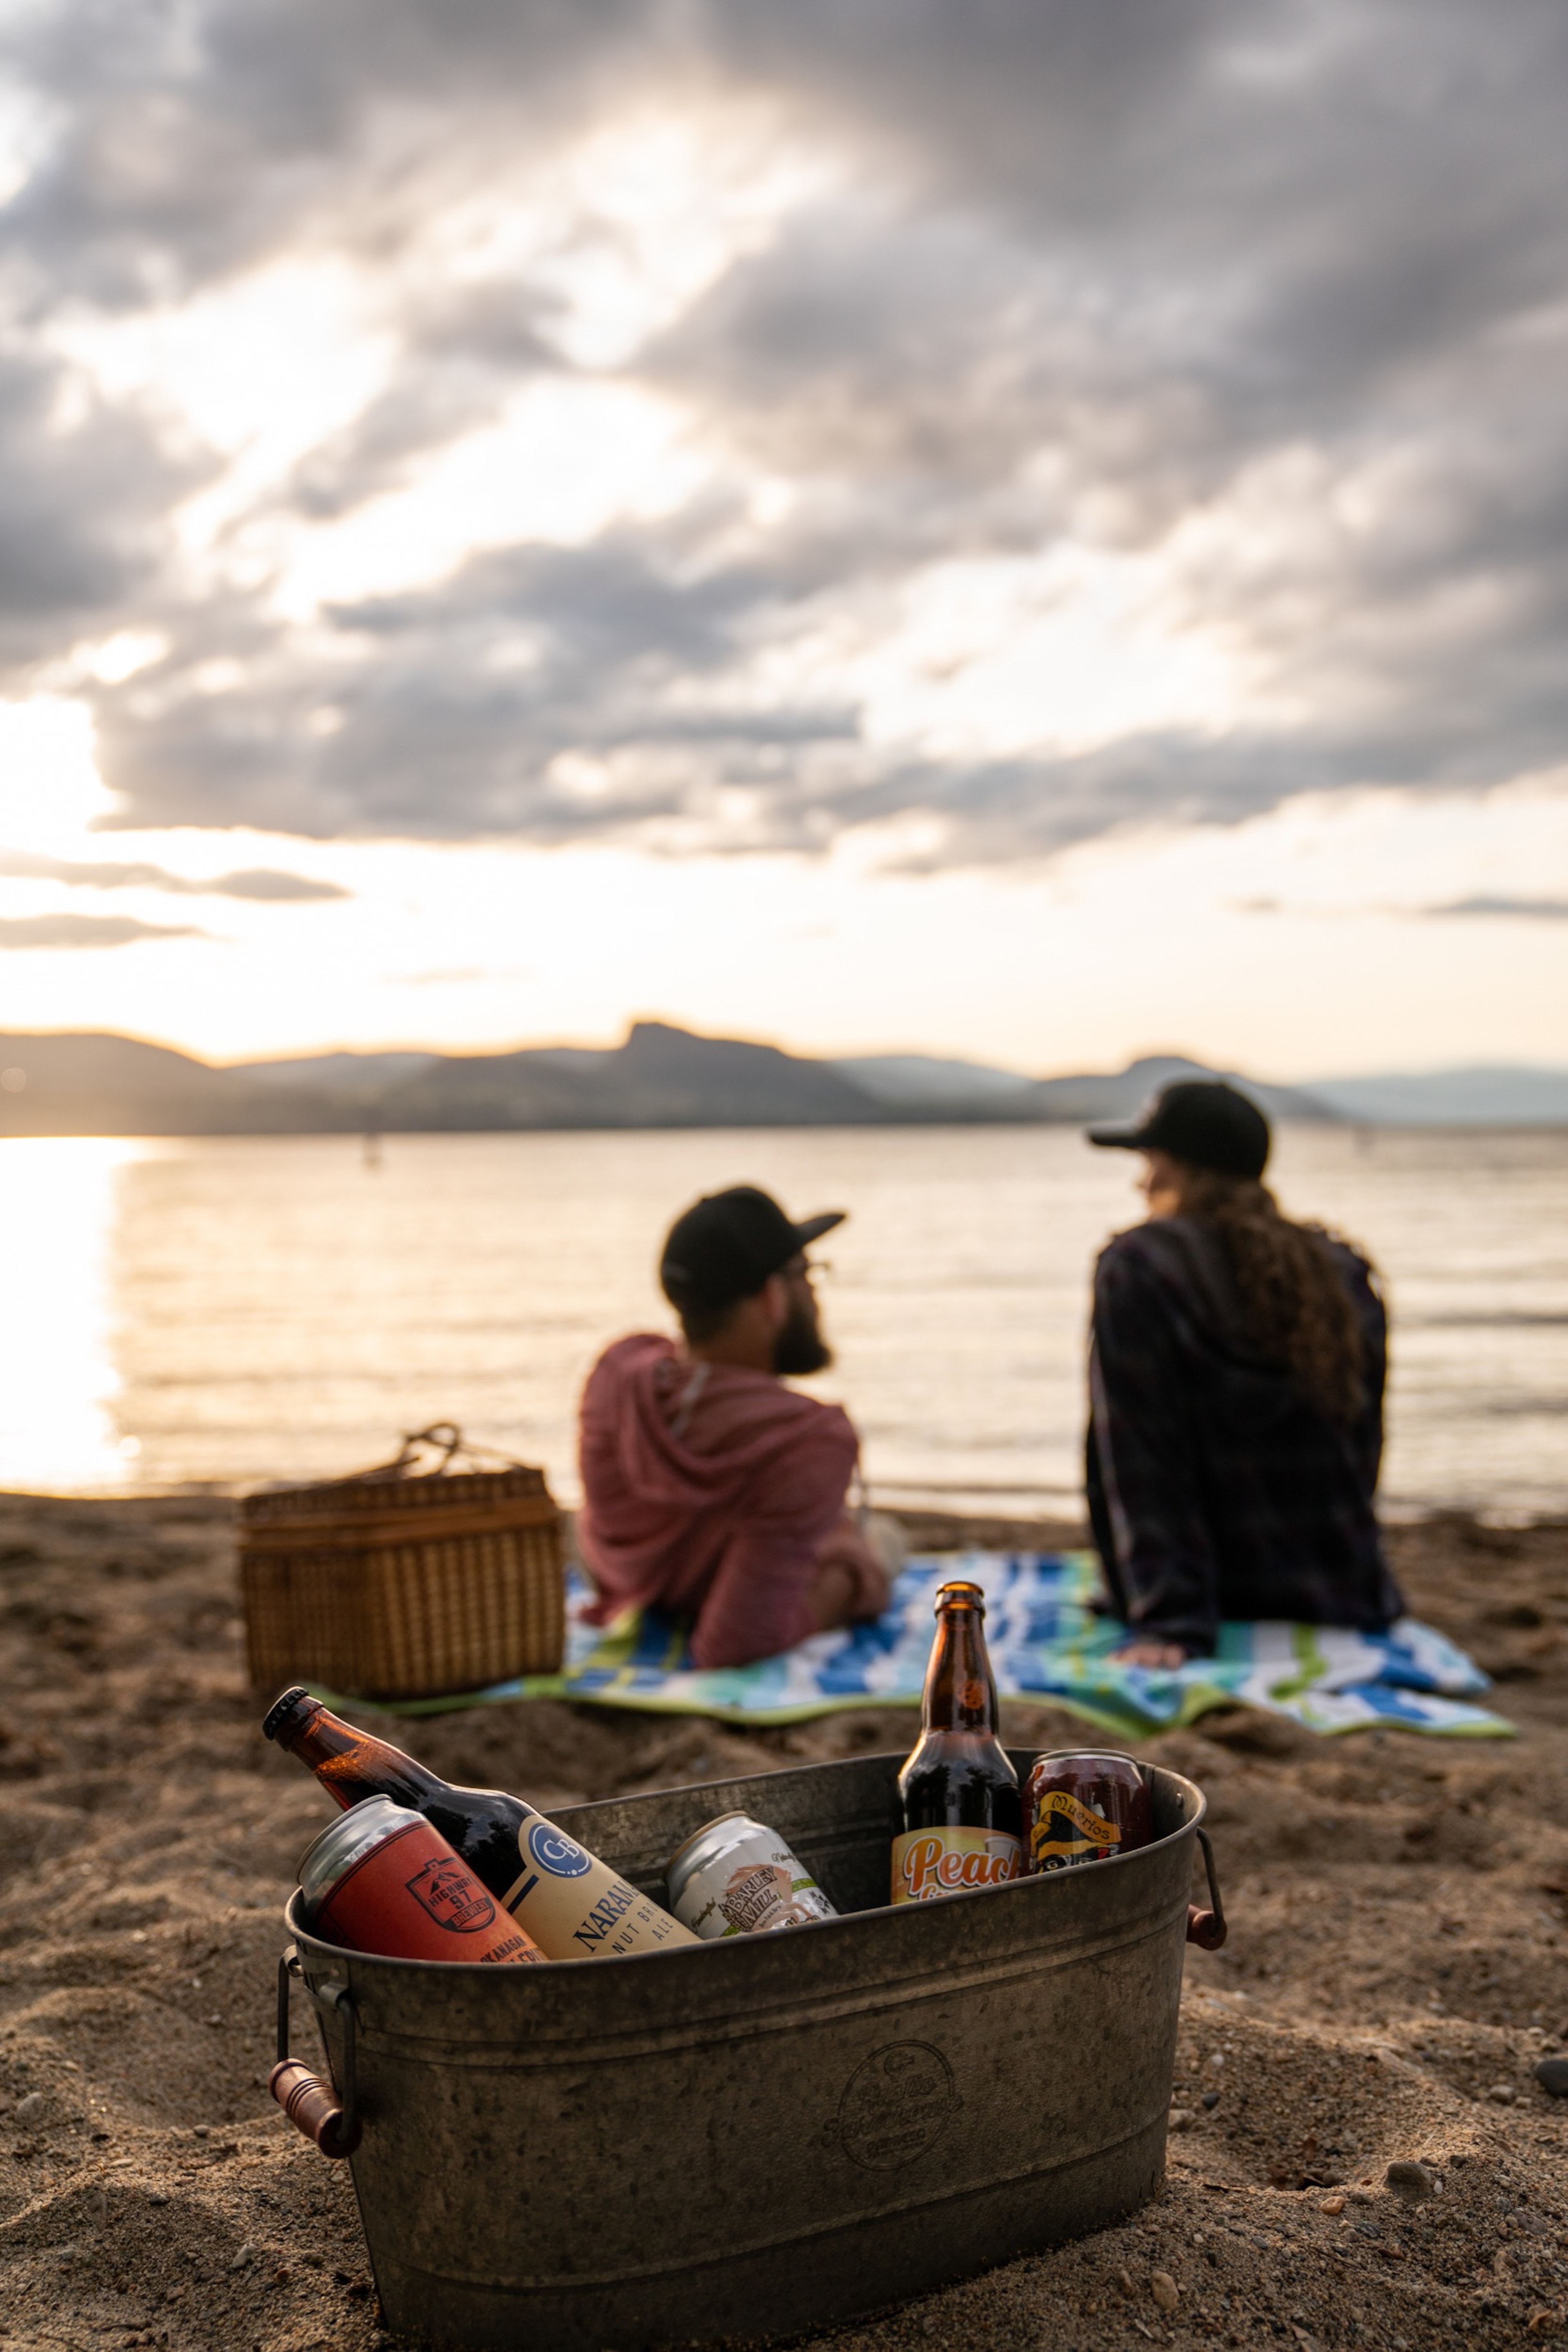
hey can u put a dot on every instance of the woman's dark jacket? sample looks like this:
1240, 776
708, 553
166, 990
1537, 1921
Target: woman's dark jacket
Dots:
1216, 1488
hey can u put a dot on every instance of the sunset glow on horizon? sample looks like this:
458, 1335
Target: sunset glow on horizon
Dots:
788, 547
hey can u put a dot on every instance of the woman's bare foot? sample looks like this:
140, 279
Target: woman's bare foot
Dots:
1150, 1654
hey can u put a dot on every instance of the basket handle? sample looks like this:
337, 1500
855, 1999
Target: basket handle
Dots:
311, 2100
443, 1435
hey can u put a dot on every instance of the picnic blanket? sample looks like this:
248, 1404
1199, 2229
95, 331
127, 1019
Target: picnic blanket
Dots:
1046, 1644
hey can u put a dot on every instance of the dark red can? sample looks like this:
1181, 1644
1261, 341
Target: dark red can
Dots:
381, 1878
1084, 1805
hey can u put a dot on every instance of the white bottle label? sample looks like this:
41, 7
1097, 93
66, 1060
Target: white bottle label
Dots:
575, 1908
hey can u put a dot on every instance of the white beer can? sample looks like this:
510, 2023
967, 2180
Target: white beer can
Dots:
735, 1876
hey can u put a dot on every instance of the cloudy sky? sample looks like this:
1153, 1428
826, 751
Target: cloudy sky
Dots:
1034, 529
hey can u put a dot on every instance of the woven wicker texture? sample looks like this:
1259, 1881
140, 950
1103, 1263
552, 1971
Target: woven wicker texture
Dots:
404, 1582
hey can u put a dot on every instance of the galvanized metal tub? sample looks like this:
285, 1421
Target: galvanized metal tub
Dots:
773, 2133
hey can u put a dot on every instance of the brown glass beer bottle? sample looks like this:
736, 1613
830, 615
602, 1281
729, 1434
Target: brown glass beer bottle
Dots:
572, 1904
961, 1813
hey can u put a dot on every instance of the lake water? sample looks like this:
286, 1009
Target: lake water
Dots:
241, 1309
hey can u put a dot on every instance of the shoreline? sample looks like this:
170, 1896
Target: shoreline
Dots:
940, 1527
353, 1128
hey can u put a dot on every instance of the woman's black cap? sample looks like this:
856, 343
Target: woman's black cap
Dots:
1202, 1121
727, 1244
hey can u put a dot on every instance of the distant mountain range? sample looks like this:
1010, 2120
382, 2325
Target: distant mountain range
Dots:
663, 1077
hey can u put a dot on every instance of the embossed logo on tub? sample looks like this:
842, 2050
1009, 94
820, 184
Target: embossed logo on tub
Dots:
895, 2106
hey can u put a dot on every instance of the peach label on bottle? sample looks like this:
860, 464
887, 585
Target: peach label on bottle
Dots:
951, 1861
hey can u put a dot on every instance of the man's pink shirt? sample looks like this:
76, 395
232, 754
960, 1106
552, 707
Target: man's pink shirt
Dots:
716, 1501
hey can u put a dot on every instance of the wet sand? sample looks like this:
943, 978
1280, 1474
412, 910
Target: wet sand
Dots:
1398, 1964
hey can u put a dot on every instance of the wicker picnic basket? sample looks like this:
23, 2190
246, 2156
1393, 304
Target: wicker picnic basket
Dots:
404, 1582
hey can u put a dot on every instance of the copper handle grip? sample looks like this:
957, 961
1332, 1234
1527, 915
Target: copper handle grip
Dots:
309, 2100
1204, 1928
312, 2103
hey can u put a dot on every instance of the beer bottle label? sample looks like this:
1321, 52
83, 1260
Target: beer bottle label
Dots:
949, 1860
1065, 1830
575, 1908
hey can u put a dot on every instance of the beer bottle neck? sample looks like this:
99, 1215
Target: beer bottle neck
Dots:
960, 1694
351, 1765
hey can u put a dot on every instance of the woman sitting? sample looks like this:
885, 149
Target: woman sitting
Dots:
1235, 1377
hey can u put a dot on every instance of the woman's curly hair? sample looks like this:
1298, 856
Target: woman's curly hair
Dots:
1297, 1309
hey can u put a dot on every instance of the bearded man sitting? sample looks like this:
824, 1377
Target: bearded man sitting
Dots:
709, 1487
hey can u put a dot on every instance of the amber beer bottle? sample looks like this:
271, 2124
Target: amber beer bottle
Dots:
572, 1904
960, 1812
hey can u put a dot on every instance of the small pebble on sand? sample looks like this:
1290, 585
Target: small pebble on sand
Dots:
1500, 2092
1163, 2289
1332, 2205
1551, 2074
1412, 2181
1180, 2119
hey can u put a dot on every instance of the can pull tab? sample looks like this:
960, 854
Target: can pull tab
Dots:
1208, 1929
309, 2100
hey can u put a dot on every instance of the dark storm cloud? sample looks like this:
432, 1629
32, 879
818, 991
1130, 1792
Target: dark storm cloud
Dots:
260, 882
196, 142
273, 889
456, 700
1532, 910
87, 931
1272, 296
84, 491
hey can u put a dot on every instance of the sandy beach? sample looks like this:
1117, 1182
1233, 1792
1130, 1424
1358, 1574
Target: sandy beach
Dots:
1398, 1964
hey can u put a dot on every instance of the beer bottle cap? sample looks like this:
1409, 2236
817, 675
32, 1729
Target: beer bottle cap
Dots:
959, 1594
281, 1708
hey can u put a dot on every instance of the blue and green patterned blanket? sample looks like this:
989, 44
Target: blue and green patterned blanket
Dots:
1046, 1644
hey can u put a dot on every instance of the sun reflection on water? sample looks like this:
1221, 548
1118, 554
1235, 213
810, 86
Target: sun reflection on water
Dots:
57, 1376
238, 1309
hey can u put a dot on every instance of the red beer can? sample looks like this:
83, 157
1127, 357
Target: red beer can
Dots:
383, 1879
1084, 1805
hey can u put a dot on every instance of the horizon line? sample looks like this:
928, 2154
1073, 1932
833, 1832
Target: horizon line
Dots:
480, 1052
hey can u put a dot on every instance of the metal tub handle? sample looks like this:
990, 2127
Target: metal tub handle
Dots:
1208, 1929
309, 2100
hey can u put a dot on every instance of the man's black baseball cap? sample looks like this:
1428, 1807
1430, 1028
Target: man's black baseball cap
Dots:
727, 1244
1202, 1121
